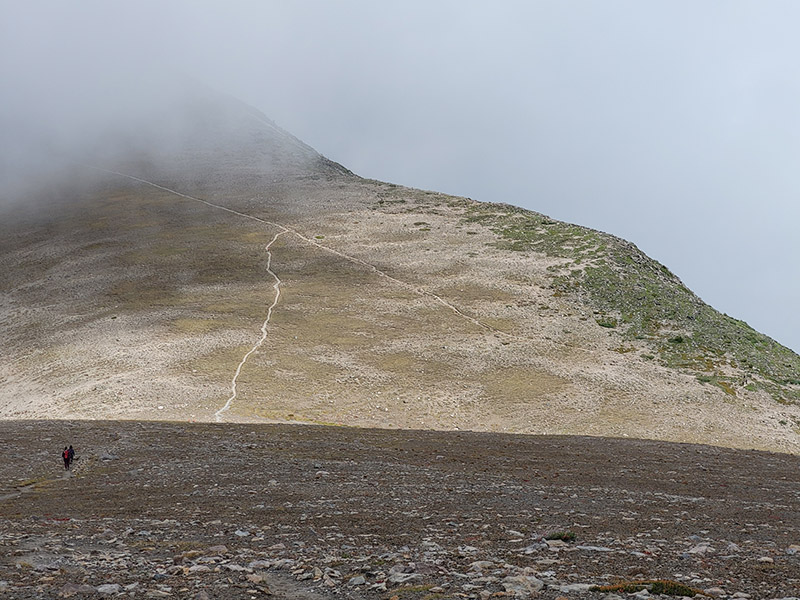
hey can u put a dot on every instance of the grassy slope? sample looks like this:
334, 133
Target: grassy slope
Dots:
642, 299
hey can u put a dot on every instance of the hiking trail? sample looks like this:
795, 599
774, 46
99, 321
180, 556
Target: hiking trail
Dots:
276, 286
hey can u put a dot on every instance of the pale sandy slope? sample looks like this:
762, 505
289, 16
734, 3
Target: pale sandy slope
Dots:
352, 301
141, 302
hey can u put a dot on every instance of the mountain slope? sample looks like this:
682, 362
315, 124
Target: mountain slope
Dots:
149, 279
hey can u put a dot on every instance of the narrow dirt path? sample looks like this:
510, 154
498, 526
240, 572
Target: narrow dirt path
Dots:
218, 415
417, 290
277, 287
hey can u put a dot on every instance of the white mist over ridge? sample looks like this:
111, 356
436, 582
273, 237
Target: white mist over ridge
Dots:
669, 124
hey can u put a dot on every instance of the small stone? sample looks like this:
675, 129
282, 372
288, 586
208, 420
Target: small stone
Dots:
766, 560
202, 595
701, 549
793, 549
429, 546
285, 564
241, 533
714, 591
199, 569
254, 578
357, 580
523, 585
576, 588
403, 577
220, 549
469, 587
401, 568
109, 589
733, 548
480, 565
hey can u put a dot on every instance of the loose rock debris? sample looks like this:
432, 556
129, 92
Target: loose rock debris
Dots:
274, 511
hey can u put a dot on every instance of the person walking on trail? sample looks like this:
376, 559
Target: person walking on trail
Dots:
71, 453
65, 456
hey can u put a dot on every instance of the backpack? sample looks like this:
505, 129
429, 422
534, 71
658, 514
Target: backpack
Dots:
65, 454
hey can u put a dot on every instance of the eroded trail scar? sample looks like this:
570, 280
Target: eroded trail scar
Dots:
313, 242
283, 229
277, 287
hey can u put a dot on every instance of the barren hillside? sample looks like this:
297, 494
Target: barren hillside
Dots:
240, 276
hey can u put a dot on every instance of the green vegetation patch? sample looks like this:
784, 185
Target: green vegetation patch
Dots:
564, 536
607, 322
725, 384
639, 298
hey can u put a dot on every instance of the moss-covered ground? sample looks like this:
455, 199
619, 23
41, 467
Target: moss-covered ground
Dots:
639, 298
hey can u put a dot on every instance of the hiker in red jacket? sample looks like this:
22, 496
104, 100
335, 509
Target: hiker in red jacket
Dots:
65, 456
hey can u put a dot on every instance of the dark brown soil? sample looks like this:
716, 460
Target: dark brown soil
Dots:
361, 501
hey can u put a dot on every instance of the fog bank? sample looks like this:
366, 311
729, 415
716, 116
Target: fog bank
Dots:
672, 124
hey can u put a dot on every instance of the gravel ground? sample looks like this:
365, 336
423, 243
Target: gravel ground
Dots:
178, 510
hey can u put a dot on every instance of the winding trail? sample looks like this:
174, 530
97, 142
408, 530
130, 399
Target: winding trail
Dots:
277, 287
289, 230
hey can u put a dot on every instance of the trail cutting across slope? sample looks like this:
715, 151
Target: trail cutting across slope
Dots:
283, 230
328, 249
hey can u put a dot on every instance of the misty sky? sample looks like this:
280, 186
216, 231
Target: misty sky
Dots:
673, 124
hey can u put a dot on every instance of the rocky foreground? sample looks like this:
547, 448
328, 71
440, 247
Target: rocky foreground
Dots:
170, 510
